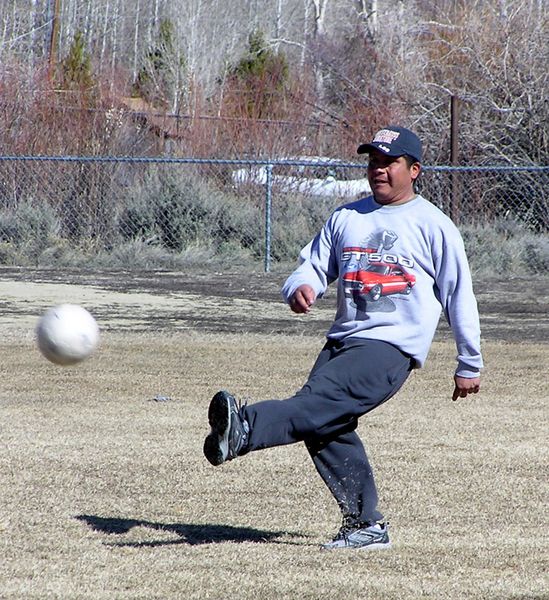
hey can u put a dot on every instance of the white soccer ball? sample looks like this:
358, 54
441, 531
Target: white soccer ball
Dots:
67, 334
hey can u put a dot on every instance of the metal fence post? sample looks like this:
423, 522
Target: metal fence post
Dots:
268, 207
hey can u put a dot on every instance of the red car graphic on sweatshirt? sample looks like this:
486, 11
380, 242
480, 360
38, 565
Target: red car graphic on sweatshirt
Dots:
379, 279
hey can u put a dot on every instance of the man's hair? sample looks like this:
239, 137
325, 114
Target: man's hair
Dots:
410, 160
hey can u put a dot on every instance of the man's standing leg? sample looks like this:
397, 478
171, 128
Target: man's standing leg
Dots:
344, 467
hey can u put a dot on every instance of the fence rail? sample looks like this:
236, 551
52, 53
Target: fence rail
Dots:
71, 209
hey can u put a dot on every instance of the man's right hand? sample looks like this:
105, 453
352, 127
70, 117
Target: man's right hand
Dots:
302, 299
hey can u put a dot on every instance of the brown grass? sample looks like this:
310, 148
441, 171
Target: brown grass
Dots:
105, 492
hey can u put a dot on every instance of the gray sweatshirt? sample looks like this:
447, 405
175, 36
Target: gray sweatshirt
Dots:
397, 268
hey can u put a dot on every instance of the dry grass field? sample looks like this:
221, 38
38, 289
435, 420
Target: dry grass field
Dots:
105, 494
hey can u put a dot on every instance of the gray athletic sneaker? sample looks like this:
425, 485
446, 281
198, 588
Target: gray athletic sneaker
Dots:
361, 536
229, 434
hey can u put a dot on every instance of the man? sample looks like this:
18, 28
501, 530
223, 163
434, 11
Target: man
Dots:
398, 260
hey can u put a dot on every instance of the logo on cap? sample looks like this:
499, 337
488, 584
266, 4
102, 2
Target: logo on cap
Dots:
386, 136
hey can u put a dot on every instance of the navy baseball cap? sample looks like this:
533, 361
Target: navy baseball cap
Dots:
394, 141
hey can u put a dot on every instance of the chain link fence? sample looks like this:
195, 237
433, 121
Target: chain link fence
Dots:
165, 213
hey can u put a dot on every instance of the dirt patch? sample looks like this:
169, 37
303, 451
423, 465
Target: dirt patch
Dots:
515, 309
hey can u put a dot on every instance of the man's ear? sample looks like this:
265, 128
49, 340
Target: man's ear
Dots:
415, 170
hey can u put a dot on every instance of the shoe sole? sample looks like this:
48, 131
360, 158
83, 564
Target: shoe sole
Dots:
216, 444
375, 546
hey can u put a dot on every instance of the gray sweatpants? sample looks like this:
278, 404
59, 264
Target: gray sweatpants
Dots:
348, 379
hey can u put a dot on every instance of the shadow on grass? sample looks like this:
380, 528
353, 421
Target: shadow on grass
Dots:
188, 534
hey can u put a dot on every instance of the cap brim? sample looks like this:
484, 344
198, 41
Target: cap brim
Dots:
365, 148
396, 152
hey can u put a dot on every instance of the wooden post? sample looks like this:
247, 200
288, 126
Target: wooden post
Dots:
54, 37
455, 199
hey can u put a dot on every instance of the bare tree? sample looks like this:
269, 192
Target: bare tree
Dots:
136, 40
498, 72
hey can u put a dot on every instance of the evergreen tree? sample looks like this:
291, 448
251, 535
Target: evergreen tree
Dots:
76, 67
260, 78
161, 79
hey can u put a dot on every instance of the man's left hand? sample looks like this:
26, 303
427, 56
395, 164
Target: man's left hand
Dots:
465, 386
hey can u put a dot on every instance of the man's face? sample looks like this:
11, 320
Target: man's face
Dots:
391, 179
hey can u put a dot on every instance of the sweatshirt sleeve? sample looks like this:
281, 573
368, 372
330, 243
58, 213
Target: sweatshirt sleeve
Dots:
317, 264
454, 288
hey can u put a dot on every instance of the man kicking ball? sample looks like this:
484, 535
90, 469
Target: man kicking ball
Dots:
398, 261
